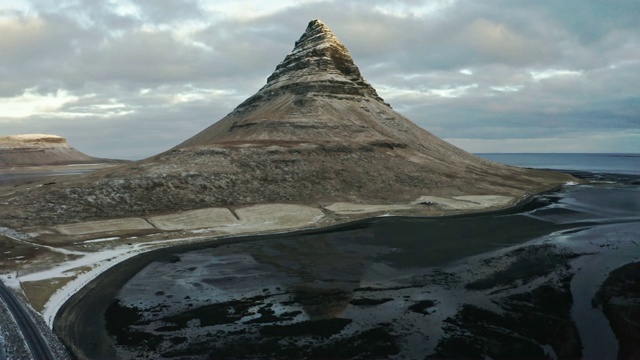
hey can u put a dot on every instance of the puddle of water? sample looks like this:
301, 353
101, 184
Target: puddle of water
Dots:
348, 274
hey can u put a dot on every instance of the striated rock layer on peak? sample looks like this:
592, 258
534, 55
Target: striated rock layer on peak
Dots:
319, 57
315, 94
316, 133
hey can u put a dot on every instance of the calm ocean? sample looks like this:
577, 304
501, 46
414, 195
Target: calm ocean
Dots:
601, 163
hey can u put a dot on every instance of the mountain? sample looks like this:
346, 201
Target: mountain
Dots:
316, 133
40, 149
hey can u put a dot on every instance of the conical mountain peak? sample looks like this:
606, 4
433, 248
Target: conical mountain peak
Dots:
317, 34
320, 65
316, 94
316, 133
317, 51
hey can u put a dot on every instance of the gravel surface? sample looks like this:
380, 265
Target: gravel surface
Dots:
12, 345
11, 339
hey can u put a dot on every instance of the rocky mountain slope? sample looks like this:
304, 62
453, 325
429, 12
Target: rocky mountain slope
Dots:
316, 133
40, 149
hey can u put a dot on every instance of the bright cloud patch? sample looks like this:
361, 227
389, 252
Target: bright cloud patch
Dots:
248, 9
453, 91
92, 106
551, 73
445, 92
32, 104
402, 9
507, 88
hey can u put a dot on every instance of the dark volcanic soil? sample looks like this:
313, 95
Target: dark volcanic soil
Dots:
619, 298
505, 285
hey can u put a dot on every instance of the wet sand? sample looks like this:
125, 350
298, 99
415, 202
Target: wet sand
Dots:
413, 295
82, 316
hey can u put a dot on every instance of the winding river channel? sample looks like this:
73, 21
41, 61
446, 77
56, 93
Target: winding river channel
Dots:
518, 283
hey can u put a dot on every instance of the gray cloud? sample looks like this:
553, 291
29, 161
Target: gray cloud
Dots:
135, 80
168, 11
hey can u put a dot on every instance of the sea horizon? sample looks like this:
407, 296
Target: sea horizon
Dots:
560, 153
615, 163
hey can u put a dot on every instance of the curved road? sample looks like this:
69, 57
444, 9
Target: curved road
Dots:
35, 341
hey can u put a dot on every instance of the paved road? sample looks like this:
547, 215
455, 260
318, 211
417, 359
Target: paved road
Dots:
35, 341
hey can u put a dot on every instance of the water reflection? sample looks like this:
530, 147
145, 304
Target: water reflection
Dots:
482, 285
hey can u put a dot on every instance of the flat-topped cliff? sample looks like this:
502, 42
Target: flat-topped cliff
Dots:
40, 149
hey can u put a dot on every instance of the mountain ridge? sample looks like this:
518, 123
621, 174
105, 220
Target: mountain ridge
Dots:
316, 133
319, 67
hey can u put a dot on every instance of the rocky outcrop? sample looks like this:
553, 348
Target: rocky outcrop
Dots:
40, 149
317, 132
320, 60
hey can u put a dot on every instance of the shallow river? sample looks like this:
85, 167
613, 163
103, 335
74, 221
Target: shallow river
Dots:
511, 284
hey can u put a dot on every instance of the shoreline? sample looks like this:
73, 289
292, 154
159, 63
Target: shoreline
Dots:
129, 264
113, 255
553, 246
110, 256
112, 278
104, 292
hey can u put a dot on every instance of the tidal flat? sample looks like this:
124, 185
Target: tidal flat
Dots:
531, 281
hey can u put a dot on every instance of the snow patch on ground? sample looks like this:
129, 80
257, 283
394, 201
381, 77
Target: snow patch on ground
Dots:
101, 239
26, 238
99, 262
11, 280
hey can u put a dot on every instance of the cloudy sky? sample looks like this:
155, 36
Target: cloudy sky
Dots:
131, 78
